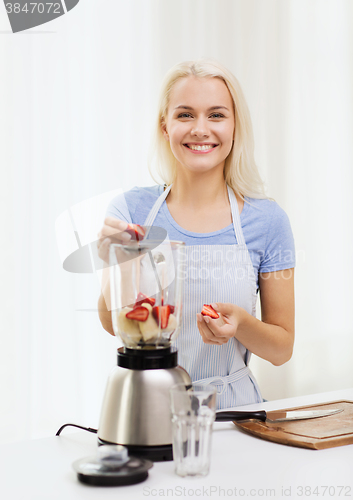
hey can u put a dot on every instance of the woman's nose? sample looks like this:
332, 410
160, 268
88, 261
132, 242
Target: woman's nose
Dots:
200, 128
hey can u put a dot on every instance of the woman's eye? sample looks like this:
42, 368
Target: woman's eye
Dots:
214, 115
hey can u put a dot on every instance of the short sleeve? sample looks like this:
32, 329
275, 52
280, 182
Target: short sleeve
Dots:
279, 248
118, 208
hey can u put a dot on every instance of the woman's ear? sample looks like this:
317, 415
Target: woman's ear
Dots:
164, 130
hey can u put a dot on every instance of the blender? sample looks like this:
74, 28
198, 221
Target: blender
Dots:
146, 305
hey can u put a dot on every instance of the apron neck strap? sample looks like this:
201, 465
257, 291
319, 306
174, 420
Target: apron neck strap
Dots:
233, 206
235, 216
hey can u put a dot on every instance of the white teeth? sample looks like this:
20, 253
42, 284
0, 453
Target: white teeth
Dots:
200, 148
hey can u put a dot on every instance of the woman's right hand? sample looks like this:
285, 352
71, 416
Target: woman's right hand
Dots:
113, 231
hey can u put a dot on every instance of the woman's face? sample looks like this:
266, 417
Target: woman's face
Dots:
200, 123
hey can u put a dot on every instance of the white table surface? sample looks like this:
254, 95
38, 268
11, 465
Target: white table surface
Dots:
242, 466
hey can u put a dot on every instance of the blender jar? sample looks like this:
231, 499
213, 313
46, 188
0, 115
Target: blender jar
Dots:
146, 292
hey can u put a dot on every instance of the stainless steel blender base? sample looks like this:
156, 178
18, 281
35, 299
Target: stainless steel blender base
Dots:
136, 409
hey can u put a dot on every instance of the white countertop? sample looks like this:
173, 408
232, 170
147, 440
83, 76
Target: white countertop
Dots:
242, 466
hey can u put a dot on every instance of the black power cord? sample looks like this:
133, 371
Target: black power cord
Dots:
89, 429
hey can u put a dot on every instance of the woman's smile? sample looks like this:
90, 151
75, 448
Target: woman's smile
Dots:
200, 148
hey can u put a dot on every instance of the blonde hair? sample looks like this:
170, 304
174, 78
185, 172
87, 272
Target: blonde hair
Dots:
240, 170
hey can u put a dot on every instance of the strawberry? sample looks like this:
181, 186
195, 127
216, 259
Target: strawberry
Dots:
137, 232
208, 310
171, 307
143, 298
138, 313
161, 315
162, 301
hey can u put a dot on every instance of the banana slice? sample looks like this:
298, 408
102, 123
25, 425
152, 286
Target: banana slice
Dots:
172, 324
149, 328
129, 327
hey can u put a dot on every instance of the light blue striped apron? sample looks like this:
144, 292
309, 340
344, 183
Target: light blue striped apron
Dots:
217, 273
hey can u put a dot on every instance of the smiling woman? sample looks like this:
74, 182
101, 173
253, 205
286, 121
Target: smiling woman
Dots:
213, 200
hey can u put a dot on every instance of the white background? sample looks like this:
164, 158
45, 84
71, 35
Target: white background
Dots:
77, 105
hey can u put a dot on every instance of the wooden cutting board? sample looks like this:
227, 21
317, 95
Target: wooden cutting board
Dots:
315, 433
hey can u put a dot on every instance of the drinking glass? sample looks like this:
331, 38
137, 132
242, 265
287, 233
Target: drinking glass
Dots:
193, 413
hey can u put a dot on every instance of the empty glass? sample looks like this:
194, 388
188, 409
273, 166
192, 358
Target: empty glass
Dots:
193, 413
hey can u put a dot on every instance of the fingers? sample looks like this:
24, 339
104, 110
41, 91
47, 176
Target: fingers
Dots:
209, 331
223, 307
116, 233
114, 230
111, 232
119, 224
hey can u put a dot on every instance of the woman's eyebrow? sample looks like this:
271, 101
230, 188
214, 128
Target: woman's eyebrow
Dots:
209, 109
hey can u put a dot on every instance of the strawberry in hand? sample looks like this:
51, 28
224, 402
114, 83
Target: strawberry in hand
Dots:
208, 310
136, 231
219, 322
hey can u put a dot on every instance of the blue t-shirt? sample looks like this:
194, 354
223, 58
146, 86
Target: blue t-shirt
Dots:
265, 226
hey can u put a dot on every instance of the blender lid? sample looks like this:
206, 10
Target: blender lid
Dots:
112, 467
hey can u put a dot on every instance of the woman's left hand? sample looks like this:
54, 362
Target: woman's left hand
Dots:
219, 331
